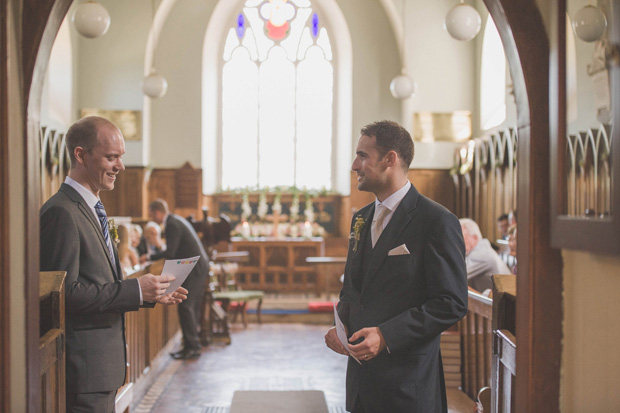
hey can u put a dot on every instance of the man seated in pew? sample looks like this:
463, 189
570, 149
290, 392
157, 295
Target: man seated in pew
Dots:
481, 259
183, 242
76, 238
152, 240
404, 283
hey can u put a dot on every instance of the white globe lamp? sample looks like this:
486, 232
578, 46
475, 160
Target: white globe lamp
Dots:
589, 23
154, 85
463, 22
402, 86
91, 19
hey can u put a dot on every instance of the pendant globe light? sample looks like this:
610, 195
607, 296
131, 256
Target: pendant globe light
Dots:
589, 23
154, 85
402, 86
91, 19
463, 22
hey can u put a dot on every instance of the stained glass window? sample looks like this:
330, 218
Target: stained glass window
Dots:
277, 97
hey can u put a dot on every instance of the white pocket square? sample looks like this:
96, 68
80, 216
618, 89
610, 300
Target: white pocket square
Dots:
400, 250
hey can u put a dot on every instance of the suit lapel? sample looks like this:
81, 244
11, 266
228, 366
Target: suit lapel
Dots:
94, 221
401, 218
364, 237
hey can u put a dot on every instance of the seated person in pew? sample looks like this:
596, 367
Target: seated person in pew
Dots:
153, 242
138, 243
127, 257
481, 259
76, 237
512, 244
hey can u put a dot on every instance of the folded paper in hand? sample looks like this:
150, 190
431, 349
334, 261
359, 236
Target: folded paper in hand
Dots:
341, 333
400, 250
180, 269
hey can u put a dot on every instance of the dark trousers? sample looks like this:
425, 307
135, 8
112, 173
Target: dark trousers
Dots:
91, 402
190, 310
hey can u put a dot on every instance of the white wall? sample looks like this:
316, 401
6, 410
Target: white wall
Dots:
110, 67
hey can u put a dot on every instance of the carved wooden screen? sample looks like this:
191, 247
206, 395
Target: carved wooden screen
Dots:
55, 162
485, 176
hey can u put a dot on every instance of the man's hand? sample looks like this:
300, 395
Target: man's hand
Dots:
173, 298
373, 343
154, 286
332, 341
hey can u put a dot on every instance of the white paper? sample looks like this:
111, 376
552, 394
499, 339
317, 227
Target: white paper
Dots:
341, 333
180, 269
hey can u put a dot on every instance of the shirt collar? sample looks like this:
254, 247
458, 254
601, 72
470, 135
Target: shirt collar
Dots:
392, 201
88, 196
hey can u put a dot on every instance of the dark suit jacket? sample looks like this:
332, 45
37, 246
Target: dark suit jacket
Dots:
96, 299
412, 299
183, 242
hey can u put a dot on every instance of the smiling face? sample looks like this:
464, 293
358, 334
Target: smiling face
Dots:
99, 167
370, 166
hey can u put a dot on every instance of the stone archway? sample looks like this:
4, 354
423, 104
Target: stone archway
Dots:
521, 29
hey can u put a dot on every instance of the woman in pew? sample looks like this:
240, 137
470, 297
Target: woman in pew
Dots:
126, 255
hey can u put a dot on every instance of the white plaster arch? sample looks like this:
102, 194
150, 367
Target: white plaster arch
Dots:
336, 24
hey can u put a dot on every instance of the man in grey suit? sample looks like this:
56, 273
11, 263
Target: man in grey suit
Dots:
76, 238
183, 242
404, 283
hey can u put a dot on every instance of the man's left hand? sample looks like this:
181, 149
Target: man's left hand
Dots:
173, 298
373, 343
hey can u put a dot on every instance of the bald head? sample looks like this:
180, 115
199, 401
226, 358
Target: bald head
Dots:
83, 133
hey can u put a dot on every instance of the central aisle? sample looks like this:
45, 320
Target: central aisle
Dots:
261, 357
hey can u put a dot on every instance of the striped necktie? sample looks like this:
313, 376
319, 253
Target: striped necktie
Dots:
103, 219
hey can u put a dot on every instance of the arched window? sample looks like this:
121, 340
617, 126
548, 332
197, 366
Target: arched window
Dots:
492, 78
277, 97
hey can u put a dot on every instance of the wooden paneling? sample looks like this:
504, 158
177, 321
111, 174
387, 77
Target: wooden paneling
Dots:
504, 343
188, 187
5, 292
52, 341
129, 197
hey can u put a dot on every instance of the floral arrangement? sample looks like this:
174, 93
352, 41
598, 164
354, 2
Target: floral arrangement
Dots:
246, 208
262, 205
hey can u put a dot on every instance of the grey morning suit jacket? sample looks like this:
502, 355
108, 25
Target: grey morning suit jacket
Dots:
411, 298
96, 298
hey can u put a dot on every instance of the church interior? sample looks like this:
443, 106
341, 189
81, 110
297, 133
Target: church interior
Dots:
244, 115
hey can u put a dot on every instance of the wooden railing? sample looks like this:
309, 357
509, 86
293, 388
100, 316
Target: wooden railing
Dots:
148, 332
485, 179
504, 342
52, 341
476, 339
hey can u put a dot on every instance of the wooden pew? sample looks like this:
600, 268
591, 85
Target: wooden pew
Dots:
505, 342
151, 333
52, 340
466, 353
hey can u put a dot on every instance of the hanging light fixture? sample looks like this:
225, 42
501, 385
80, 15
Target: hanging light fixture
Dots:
589, 23
463, 22
91, 19
402, 86
154, 85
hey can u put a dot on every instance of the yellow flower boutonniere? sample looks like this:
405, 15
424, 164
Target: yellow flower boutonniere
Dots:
113, 231
357, 230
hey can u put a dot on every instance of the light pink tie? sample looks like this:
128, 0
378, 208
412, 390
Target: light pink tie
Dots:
377, 224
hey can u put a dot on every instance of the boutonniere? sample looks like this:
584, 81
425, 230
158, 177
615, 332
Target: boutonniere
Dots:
357, 230
113, 231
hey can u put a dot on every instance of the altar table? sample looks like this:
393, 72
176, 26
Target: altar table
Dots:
279, 265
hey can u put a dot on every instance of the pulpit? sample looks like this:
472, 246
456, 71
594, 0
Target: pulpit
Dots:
279, 264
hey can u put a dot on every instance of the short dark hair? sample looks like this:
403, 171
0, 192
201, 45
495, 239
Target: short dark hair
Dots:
503, 217
390, 136
159, 205
83, 133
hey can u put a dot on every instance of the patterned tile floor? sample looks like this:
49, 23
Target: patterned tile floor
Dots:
261, 357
